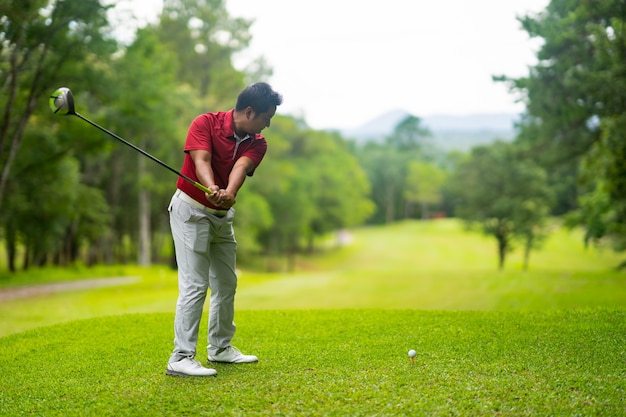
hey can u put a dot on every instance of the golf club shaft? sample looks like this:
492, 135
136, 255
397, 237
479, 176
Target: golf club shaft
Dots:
158, 161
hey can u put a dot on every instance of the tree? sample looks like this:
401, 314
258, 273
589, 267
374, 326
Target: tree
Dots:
576, 104
386, 171
312, 185
424, 185
410, 135
340, 188
154, 93
601, 206
50, 210
387, 164
148, 92
42, 43
204, 38
508, 196
148, 116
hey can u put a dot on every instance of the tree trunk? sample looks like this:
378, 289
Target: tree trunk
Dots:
390, 206
114, 189
527, 248
408, 209
15, 145
143, 246
11, 247
425, 211
26, 257
6, 120
502, 247
31, 102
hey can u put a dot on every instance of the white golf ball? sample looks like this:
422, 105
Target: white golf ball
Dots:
412, 353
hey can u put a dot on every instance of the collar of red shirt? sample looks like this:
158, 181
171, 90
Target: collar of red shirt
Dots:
228, 127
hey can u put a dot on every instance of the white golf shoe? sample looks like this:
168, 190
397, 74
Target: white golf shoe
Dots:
188, 367
232, 355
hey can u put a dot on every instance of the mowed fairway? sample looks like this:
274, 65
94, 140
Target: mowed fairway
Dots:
439, 266
434, 265
333, 337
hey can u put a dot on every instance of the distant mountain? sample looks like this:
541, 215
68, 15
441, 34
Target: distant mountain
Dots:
377, 128
449, 131
472, 122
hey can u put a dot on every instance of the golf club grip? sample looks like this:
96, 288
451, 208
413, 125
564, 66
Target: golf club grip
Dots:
198, 185
163, 164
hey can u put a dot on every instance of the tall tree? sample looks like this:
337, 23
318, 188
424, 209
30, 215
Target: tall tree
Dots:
601, 208
424, 185
386, 171
204, 38
146, 108
505, 194
387, 166
576, 99
43, 41
51, 212
311, 184
410, 135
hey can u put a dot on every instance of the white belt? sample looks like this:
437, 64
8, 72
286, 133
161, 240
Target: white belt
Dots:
187, 199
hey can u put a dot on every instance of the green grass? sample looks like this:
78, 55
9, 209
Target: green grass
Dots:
58, 274
332, 337
409, 265
329, 362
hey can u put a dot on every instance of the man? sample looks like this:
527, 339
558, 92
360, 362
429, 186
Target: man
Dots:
221, 149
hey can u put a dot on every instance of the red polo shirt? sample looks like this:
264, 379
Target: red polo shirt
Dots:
214, 132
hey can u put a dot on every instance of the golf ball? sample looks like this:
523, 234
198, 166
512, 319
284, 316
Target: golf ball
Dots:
412, 353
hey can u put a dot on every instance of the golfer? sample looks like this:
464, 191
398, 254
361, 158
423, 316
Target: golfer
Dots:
221, 149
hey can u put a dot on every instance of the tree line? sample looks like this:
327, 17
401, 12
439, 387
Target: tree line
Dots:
69, 193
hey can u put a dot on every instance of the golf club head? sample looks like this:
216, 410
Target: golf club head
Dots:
62, 101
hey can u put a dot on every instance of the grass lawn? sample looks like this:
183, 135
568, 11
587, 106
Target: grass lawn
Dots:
333, 336
329, 362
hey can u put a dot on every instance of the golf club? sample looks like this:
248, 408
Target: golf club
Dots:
62, 102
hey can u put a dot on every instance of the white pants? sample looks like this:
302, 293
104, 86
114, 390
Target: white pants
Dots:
206, 255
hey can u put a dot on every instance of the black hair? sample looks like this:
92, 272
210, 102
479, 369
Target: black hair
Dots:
259, 96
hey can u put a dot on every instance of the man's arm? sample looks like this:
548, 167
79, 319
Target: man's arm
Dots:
242, 167
204, 171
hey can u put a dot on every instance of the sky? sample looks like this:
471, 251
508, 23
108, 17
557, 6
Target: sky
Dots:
341, 63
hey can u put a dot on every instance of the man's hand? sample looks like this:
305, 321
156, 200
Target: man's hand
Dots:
221, 198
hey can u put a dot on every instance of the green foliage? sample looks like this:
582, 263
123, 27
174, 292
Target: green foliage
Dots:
43, 46
253, 218
339, 188
312, 363
386, 171
387, 168
148, 92
506, 195
424, 185
312, 185
576, 106
204, 37
410, 135
50, 177
593, 213
602, 208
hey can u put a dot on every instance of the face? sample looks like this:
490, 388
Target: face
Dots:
256, 122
